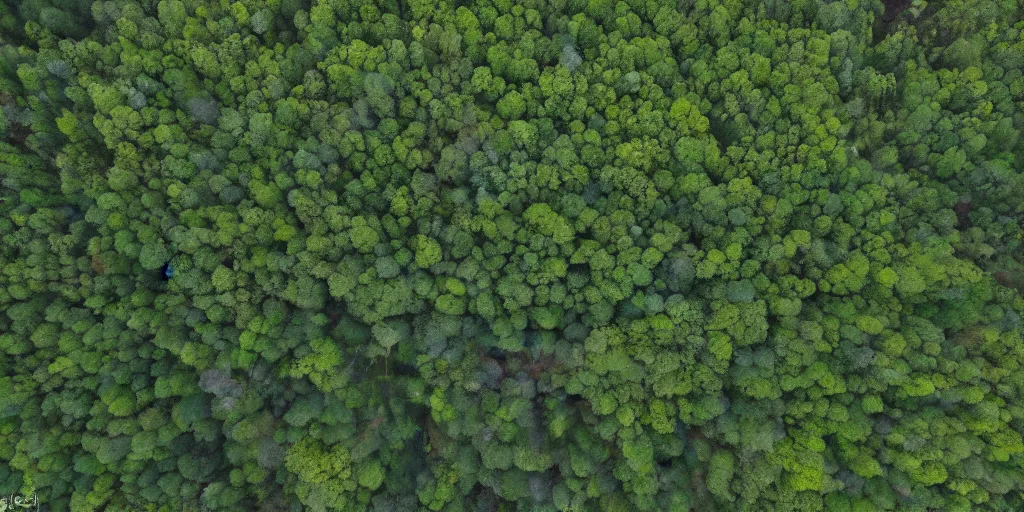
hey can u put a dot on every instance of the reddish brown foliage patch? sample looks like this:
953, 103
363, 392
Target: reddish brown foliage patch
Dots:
97, 265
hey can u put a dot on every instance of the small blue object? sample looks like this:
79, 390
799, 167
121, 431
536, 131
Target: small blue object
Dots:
168, 271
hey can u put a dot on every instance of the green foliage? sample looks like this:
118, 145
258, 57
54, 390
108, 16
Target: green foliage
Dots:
587, 255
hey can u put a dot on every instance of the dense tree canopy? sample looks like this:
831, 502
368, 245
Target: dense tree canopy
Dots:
540, 255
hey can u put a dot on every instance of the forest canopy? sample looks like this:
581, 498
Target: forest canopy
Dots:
496, 255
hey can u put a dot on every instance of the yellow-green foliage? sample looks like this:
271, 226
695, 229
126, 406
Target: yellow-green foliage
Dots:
571, 255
